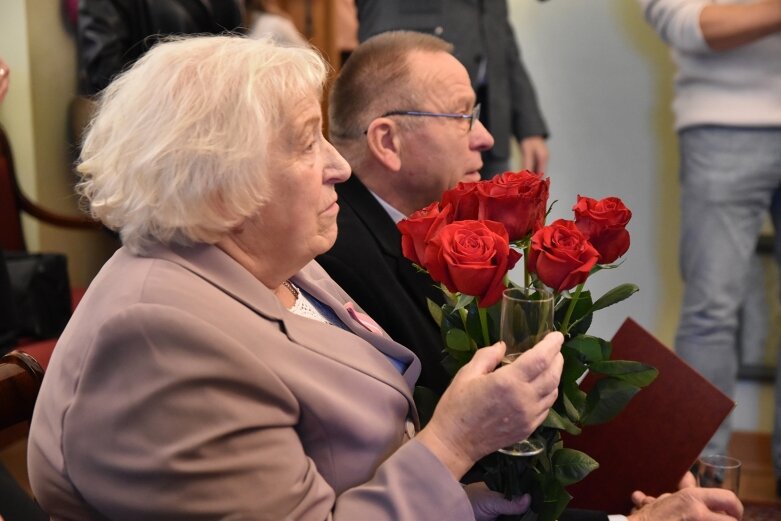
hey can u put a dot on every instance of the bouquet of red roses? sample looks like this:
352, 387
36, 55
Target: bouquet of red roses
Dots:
468, 242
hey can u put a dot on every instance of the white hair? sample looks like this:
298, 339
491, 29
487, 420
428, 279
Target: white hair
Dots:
177, 151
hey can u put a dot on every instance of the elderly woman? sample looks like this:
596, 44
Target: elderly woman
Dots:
213, 369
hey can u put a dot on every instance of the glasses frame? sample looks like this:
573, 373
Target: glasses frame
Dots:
473, 116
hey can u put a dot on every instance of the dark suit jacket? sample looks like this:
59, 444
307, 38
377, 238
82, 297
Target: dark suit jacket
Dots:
367, 262
477, 29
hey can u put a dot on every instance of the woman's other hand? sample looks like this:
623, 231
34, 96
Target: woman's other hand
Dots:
488, 505
486, 408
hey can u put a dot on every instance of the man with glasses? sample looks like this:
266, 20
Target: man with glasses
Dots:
403, 113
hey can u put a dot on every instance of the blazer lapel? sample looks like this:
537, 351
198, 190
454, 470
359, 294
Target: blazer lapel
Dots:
379, 224
315, 281
220, 270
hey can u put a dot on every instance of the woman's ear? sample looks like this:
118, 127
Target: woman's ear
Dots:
384, 143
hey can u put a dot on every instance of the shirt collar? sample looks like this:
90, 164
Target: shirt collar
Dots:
392, 212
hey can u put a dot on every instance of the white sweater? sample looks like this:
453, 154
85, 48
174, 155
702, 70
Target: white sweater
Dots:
741, 87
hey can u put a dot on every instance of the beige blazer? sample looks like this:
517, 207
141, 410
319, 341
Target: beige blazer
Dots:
183, 389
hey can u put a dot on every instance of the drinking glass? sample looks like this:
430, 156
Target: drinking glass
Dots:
717, 471
526, 317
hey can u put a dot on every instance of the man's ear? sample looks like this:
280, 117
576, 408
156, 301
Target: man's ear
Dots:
384, 143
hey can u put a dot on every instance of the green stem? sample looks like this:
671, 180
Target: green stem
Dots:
527, 277
481, 312
571, 309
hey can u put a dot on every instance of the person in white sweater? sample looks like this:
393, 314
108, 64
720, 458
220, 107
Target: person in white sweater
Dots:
728, 117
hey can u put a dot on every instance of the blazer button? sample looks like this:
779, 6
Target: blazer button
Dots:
439, 30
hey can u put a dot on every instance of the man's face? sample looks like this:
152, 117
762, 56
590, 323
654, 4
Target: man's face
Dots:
438, 153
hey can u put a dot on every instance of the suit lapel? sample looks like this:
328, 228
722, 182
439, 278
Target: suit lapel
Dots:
379, 224
218, 269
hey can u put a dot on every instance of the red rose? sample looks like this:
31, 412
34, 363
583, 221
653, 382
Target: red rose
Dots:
604, 224
471, 257
418, 227
561, 256
463, 199
516, 199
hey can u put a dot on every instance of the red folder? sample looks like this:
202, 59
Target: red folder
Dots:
656, 439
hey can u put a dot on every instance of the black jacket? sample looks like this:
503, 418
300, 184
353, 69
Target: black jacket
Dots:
113, 34
367, 262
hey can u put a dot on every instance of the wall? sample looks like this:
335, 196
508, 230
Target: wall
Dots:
605, 85
41, 55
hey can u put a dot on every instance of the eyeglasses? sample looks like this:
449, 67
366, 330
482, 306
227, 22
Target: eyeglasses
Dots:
472, 116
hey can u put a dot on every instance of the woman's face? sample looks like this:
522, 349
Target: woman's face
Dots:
299, 220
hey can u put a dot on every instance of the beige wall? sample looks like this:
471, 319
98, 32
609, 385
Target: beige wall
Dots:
41, 55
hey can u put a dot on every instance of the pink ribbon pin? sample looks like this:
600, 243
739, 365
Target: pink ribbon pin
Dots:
363, 319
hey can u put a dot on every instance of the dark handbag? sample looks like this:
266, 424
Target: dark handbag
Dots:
41, 292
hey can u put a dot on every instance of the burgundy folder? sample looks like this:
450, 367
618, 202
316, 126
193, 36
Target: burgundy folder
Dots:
655, 440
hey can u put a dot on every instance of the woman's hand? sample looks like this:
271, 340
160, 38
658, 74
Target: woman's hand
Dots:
488, 505
485, 408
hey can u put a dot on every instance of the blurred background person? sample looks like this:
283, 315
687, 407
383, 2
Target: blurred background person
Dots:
267, 19
5, 79
728, 117
113, 34
484, 41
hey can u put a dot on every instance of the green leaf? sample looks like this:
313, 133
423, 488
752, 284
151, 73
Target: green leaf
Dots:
580, 320
474, 328
617, 294
554, 498
452, 364
459, 345
590, 349
556, 421
574, 401
458, 340
573, 366
463, 301
435, 310
607, 399
629, 371
571, 466
450, 319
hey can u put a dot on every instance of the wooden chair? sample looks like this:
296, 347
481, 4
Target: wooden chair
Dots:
20, 379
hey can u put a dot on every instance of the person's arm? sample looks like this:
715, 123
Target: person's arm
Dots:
528, 124
727, 26
701, 26
5, 74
